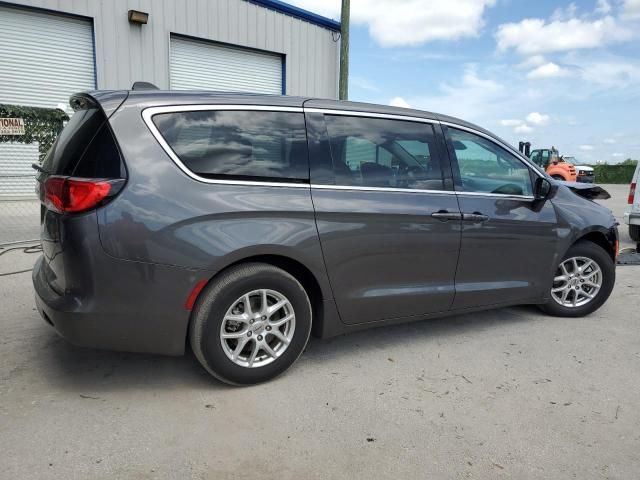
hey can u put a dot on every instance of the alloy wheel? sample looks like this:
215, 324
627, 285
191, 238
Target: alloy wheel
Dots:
577, 282
257, 328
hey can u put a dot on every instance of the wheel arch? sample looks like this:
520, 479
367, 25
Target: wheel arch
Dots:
601, 239
294, 268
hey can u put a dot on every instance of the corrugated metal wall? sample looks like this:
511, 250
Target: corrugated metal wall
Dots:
126, 53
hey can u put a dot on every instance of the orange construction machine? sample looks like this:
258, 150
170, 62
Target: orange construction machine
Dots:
551, 161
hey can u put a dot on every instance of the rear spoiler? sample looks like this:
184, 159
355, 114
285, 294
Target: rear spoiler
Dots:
108, 100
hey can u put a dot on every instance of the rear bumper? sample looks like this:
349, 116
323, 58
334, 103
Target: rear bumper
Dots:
110, 320
632, 218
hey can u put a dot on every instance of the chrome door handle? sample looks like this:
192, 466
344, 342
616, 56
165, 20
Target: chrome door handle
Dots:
474, 217
445, 216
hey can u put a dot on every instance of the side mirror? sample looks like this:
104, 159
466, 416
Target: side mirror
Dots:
543, 188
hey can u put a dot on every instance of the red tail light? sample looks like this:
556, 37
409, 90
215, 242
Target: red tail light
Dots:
632, 193
72, 195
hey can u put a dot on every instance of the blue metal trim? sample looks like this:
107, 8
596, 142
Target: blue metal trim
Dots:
284, 74
299, 13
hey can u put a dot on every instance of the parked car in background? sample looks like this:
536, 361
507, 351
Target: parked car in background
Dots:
632, 214
584, 173
243, 223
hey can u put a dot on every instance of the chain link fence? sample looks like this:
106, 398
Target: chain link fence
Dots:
26, 134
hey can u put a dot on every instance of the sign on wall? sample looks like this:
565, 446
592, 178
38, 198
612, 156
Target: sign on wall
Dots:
11, 126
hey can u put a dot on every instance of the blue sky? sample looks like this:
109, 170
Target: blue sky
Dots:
551, 72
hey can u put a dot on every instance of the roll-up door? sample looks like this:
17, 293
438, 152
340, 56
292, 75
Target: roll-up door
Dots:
200, 65
44, 58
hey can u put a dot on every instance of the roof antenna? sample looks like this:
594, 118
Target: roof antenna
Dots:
144, 86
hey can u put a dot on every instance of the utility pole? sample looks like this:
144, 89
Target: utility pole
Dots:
343, 90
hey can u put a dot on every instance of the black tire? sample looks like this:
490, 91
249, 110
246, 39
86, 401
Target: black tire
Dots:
634, 232
607, 266
218, 297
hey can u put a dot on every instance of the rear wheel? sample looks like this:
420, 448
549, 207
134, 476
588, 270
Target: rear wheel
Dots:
250, 324
582, 282
634, 232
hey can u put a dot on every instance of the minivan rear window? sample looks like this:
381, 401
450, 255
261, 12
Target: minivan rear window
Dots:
254, 145
85, 148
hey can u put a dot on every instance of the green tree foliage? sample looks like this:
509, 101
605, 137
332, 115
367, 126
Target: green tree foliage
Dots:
41, 125
620, 173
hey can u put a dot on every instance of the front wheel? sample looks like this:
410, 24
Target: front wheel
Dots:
250, 324
582, 282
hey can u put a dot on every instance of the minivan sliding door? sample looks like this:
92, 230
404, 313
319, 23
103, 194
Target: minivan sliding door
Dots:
389, 228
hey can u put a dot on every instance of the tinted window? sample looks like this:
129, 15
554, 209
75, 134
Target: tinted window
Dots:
252, 144
102, 158
487, 168
383, 153
73, 141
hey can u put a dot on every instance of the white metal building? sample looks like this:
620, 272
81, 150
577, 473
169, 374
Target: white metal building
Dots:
50, 49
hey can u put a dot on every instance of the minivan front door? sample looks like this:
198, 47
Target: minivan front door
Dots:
508, 238
389, 227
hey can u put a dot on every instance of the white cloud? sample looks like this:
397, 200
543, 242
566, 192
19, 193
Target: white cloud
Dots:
611, 73
511, 122
617, 154
561, 14
532, 62
537, 118
631, 9
524, 128
470, 96
586, 148
535, 36
548, 70
609, 141
395, 23
399, 102
363, 83
603, 7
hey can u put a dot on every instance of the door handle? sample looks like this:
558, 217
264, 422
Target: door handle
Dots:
445, 216
474, 217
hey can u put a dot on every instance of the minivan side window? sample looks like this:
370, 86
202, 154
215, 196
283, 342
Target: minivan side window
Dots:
486, 167
248, 145
375, 152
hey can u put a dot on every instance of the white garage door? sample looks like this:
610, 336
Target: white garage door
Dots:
44, 58
197, 65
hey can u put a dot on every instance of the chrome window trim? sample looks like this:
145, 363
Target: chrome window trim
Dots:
415, 190
503, 145
147, 116
497, 195
149, 112
356, 113
322, 186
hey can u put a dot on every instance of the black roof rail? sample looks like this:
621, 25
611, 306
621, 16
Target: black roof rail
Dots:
144, 86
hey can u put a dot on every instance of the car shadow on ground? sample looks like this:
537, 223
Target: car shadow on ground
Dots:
87, 370
453, 328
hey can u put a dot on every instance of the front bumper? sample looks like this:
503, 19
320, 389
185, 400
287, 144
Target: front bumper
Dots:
586, 178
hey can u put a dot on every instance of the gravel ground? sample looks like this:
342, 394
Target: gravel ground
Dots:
508, 393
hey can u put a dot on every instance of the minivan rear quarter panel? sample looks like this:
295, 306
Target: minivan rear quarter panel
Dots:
166, 217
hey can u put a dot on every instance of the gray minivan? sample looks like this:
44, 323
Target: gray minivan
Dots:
243, 223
